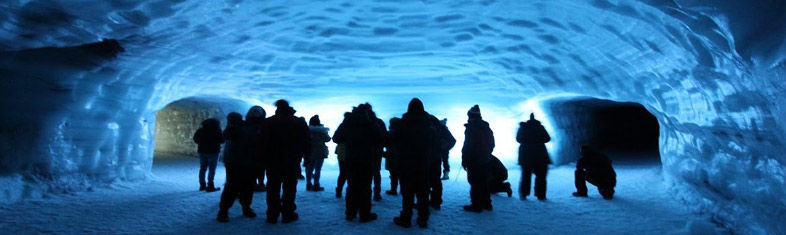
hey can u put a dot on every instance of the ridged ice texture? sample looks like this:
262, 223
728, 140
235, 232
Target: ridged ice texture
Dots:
710, 71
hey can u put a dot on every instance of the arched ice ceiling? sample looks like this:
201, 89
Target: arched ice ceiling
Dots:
710, 70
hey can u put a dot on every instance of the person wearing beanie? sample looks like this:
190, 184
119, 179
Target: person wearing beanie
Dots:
416, 141
360, 135
533, 157
286, 141
475, 156
208, 139
240, 172
319, 151
255, 124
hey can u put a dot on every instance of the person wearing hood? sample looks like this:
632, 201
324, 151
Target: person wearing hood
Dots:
255, 125
240, 170
594, 167
319, 151
361, 136
533, 157
417, 141
286, 144
475, 156
208, 139
391, 156
341, 156
445, 142
378, 150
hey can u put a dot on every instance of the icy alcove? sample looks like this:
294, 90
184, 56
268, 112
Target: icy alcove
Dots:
711, 72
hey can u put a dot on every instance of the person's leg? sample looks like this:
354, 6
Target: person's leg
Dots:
203, 165
289, 187
435, 185
211, 166
353, 189
246, 193
318, 173
445, 166
540, 181
274, 181
377, 177
422, 194
309, 174
526, 181
364, 205
228, 195
474, 186
580, 182
407, 201
342, 177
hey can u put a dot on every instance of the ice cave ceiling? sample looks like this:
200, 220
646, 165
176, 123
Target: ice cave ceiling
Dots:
711, 71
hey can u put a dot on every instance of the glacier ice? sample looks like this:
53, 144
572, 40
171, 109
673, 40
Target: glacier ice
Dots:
80, 111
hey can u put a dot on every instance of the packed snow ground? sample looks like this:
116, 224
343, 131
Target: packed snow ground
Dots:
171, 204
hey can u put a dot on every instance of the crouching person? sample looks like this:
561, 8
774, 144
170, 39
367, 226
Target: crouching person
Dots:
499, 174
595, 168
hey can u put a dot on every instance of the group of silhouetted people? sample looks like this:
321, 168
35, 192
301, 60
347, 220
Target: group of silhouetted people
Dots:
415, 148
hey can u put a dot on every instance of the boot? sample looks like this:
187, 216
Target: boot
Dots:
406, 223
248, 212
473, 208
377, 197
338, 192
223, 215
289, 218
317, 188
422, 222
391, 192
201, 186
368, 218
445, 175
578, 194
309, 187
211, 188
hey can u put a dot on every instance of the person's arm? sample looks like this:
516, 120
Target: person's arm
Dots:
520, 133
197, 136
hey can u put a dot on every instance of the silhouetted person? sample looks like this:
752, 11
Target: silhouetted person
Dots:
208, 139
391, 156
361, 136
446, 145
499, 174
255, 124
475, 156
240, 170
445, 142
319, 151
533, 157
378, 150
341, 152
417, 142
287, 140
594, 167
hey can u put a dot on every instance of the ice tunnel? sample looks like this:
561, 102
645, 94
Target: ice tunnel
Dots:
83, 80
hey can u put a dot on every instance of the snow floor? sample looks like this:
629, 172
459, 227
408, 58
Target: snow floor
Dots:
170, 204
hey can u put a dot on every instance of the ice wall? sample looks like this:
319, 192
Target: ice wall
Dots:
711, 71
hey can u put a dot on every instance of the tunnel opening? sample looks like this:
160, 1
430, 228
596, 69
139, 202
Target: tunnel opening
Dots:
177, 122
625, 131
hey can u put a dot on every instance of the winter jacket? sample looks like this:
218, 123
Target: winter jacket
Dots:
361, 137
478, 143
417, 141
596, 166
498, 171
236, 150
254, 141
286, 138
533, 138
392, 153
446, 140
319, 135
208, 141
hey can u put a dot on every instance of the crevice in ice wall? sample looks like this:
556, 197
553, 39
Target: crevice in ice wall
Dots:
711, 71
178, 121
626, 132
